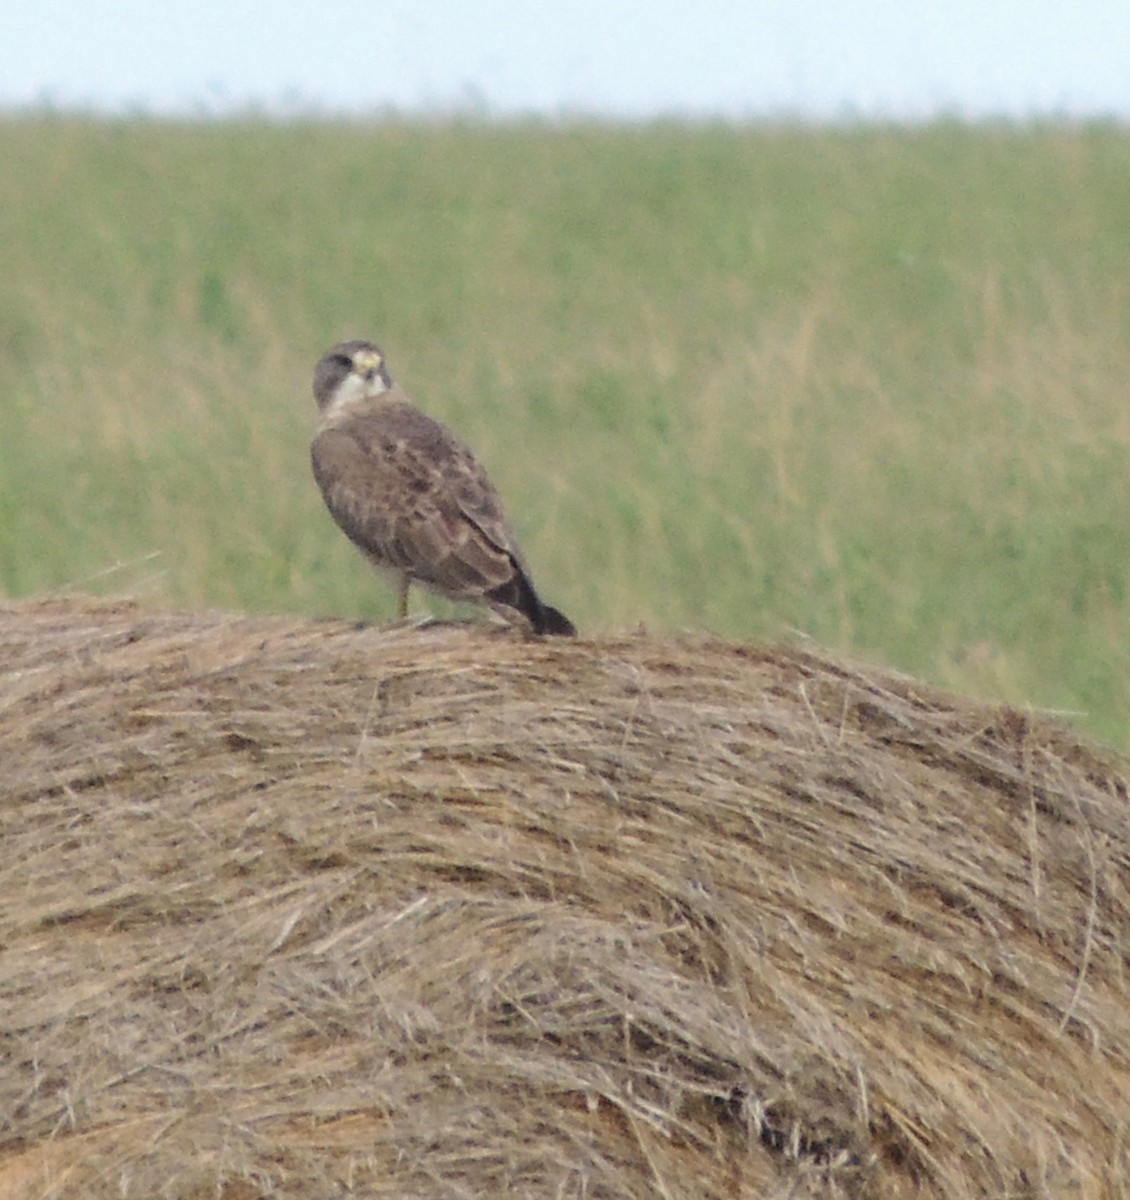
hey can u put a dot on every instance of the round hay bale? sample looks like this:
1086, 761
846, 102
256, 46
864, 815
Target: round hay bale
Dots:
298, 908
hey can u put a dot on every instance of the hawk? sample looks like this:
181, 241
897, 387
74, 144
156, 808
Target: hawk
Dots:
412, 497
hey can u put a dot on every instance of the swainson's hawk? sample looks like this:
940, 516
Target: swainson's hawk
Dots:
412, 498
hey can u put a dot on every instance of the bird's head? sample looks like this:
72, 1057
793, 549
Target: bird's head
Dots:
349, 375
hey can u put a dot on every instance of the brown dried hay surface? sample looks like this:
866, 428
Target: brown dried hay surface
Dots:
298, 908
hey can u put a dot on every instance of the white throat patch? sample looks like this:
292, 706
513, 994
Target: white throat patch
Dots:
353, 394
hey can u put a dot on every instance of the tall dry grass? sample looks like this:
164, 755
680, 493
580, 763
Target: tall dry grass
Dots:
300, 909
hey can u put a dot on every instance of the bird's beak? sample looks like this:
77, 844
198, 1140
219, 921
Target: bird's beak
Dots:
367, 363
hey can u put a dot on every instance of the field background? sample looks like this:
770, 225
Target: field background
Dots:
871, 384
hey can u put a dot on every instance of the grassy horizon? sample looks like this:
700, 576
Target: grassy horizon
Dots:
868, 383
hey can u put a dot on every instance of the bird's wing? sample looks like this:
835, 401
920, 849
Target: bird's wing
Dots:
479, 503
410, 496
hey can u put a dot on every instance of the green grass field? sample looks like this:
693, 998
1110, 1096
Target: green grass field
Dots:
872, 384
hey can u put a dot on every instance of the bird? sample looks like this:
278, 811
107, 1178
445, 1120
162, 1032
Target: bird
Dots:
413, 498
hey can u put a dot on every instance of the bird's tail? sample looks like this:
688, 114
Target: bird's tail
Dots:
555, 623
518, 593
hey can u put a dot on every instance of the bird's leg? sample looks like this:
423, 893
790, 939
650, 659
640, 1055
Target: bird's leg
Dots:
402, 597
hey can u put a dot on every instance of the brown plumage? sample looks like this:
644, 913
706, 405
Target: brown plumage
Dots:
412, 497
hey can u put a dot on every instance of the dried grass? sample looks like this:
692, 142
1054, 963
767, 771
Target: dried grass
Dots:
297, 908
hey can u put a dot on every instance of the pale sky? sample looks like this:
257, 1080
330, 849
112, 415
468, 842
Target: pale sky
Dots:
731, 58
